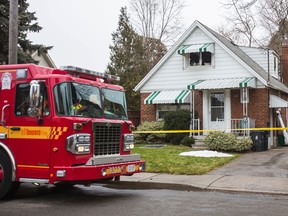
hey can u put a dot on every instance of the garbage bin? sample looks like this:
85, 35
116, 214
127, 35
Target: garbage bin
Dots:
260, 140
280, 139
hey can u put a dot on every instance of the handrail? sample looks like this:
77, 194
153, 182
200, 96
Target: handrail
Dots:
2, 122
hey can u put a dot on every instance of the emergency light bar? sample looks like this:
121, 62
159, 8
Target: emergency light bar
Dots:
95, 74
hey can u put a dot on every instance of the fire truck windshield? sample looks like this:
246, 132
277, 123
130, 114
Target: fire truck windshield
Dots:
114, 104
76, 99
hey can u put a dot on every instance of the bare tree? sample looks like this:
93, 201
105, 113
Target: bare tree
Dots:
274, 15
246, 18
240, 23
159, 19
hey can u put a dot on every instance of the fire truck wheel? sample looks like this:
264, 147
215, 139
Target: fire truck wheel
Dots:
7, 187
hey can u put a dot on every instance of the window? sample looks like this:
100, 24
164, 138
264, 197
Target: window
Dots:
206, 58
200, 58
197, 54
114, 104
44, 104
194, 58
75, 99
162, 109
217, 106
275, 64
22, 99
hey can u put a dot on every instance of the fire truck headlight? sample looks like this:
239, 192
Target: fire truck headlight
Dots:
78, 143
104, 172
128, 143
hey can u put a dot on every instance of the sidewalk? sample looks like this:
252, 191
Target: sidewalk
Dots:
255, 172
251, 184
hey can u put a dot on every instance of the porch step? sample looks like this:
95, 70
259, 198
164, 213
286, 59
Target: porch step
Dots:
199, 143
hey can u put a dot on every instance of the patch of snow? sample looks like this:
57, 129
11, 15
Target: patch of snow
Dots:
205, 153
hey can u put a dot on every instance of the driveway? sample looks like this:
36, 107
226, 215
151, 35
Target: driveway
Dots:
271, 163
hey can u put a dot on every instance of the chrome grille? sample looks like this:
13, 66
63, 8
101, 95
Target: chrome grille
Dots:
106, 138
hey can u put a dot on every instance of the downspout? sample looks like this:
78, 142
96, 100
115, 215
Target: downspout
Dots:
268, 59
268, 83
285, 134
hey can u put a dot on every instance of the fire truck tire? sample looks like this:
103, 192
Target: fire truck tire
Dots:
7, 186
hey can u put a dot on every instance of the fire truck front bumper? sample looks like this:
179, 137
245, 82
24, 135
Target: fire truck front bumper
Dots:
96, 171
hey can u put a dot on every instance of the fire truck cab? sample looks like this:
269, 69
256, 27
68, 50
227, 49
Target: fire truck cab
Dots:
62, 126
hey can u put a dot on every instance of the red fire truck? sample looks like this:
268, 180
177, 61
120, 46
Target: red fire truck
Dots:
62, 126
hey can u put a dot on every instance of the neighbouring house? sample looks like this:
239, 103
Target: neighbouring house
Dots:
43, 59
226, 87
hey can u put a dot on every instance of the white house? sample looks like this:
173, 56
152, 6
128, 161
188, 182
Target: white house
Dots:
44, 59
224, 85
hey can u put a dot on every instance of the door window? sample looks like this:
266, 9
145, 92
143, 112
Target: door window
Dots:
217, 106
22, 99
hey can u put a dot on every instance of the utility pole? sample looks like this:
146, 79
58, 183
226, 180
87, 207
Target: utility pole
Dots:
13, 32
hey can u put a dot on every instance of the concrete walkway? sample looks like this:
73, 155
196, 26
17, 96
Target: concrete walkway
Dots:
255, 172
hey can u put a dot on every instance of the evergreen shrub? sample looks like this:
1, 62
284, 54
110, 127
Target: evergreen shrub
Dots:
187, 141
177, 120
221, 141
143, 138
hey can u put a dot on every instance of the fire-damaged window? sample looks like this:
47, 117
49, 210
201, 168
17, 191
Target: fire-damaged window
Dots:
199, 58
197, 54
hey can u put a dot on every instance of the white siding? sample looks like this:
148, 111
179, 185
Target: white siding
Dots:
172, 75
260, 56
43, 59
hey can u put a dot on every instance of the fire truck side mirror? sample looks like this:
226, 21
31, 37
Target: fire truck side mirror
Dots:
34, 98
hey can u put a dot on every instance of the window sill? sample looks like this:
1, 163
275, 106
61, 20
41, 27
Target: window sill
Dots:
200, 66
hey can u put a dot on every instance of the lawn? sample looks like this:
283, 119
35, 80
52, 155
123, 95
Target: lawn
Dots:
168, 160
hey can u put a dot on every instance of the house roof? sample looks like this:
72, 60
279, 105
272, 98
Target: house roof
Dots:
228, 46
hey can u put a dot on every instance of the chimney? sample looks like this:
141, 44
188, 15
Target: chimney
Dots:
285, 61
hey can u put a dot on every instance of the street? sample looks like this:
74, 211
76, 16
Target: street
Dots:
99, 200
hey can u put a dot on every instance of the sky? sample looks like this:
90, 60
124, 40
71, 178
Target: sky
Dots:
80, 31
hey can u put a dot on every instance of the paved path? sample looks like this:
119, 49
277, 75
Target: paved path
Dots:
271, 163
256, 172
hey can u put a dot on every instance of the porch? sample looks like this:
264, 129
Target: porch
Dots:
240, 127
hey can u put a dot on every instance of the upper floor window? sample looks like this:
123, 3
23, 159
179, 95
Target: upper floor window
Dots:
200, 58
197, 54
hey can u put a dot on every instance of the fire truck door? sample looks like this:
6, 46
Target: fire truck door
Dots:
29, 140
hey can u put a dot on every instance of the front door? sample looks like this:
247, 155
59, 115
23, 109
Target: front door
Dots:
217, 110
28, 138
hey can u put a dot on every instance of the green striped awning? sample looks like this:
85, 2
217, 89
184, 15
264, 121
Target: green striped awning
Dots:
168, 97
207, 47
223, 83
247, 82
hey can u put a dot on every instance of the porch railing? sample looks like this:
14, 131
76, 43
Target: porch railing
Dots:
195, 125
238, 126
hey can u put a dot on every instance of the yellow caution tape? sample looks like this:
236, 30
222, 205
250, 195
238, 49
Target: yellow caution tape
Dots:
195, 131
